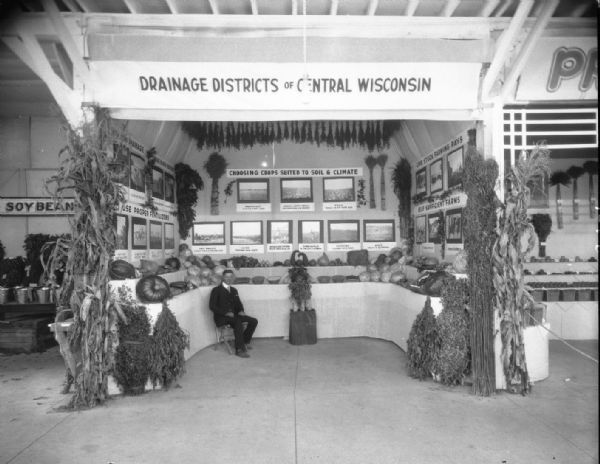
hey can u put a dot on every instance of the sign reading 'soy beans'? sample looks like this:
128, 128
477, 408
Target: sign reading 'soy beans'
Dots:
37, 206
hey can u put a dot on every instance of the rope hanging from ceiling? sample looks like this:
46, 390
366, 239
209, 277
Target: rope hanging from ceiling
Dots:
370, 135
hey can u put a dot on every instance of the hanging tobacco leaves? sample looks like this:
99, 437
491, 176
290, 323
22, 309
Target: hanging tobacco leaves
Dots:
557, 179
215, 166
86, 172
371, 162
479, 226
188, 183
402, 183
381, 161
511, 297
591, 167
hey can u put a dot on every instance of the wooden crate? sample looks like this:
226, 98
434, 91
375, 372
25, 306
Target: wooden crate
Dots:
26, 335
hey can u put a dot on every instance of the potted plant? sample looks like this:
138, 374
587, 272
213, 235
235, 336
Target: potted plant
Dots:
542, 224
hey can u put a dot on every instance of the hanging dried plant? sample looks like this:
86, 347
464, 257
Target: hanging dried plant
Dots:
381, 161
188, 183
402, 183
371, 162
575, 172
591, 167
557, 179
87, 172
511, 298
215, 166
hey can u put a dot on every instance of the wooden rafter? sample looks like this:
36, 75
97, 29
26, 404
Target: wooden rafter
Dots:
172, 6
71, 5
488, 7
503, 8
65, 37
449, 8
214, 6
131, 6
294, 7
64, 64
254, 7
372, 7
411, 7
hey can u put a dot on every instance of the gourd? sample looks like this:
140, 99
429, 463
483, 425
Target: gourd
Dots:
323, 260
152, 289
385, 276
364, 276
120, 270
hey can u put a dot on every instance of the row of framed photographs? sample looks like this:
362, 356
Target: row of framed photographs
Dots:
282, 232
454, 169
296, 190
133, 174
428, 227
139, 234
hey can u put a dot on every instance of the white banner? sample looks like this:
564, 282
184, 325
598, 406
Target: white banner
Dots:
122, 254
294, 172
35, 206
143, 212
284, 86
561, 68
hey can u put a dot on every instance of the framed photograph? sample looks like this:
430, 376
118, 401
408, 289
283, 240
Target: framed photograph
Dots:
253, 191
340, 231
208, 233
122, 229
296, 190
246, 233
454, 165
158, 183
279, 232
136, 172
121, 155
169, 187
139, 233
454, 226
436, 176
169, 236
420, 229
434, 224
379, 231
156, 230
310, 231
421, 181
338, 189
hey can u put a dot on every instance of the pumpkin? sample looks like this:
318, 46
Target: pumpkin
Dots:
375, 276
219, 269
323, 260
185, 253
173, 263
385, 276
364, 276
208, 261
215, 279
312, 262
187, 264
395, 253
205, 272
120, 270
287, 262
152, 289
396, 267
194, 271
380, 260
204, 282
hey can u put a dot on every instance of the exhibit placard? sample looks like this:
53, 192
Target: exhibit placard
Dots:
279, 247
350, 246
209, 249
296, 207
308, 247
244, 249
378, 246
36, 206
284, 86
339, 206
253, 208
294, 172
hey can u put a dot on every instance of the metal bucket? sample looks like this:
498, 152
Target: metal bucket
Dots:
43, 295
4, 295
22, 295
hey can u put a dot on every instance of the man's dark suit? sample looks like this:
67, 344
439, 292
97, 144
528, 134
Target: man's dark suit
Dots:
224, 301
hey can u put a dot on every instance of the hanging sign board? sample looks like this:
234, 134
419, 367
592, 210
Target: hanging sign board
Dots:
458, 200
294, 172
283, 86
561, 68
36, 206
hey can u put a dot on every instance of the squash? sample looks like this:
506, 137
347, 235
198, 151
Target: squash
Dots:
215, 279
397, 277
324, 279
120, 270
173, 263
338, 279
205, 273
384, 267
395, 253
187, 264
148, 267
208, 261
204, 282
152, 289
312, 263
364, 276
323, 260
375, 276
193, 280
396, 267
372, 267
285, 279
385, 276
194, 271
219, 269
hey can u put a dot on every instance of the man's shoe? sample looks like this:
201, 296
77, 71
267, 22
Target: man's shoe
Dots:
242, 354
248, 347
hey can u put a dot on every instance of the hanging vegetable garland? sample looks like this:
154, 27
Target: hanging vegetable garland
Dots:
381, 160
557, 179
591, 167
148, 179
575, 172
240, 135
215, 166
188, 183
371, 162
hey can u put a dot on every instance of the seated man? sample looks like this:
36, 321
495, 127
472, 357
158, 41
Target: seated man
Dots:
227, 307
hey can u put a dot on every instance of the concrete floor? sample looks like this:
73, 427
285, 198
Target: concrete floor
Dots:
340, 401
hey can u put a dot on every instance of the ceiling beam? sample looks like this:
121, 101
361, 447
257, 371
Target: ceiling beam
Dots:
214, 6
580, 10
172, 6
372, 7
411, 7
488, 7
71, 5
294, 7
254, 7
131, 6
505, 45
80, 67
503, 8
449, 8
65, 66
333, 9
528, 47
